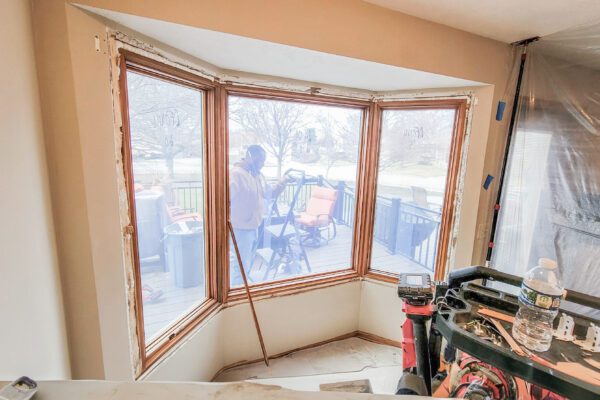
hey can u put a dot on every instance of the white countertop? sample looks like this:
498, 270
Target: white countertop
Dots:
101, 390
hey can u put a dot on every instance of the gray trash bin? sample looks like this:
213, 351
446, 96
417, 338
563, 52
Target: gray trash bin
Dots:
184, 253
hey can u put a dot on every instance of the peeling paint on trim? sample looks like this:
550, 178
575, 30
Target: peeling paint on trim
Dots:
113, 51
148, 50
460, 187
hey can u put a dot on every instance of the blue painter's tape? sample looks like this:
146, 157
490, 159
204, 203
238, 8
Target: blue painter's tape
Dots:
488, 182
500, 110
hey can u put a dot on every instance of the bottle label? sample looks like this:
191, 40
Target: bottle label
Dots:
538, 299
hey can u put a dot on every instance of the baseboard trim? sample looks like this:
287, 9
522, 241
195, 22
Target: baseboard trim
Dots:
360, 334
371, 337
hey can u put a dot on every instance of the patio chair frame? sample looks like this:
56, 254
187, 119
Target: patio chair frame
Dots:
283, 251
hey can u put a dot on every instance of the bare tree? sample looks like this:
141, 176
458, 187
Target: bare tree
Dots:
165, 120
415, 136
275, 124
340, 140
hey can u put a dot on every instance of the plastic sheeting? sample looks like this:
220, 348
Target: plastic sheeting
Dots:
551, 195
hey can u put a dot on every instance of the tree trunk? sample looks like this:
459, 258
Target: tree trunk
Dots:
328, 168
279, 166
170, 161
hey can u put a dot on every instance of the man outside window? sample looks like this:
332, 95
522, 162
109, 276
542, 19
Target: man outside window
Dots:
247, 193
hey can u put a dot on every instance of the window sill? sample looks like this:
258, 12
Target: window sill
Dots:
292, 285
388, 277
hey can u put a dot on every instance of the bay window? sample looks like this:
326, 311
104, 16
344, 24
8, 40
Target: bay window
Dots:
319, 190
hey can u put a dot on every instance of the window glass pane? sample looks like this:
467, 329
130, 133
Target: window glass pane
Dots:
292, 175
411, 180
166, 145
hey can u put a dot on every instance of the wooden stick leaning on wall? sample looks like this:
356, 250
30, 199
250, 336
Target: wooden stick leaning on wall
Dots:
243, 272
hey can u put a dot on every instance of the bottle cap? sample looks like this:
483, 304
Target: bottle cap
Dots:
547, 263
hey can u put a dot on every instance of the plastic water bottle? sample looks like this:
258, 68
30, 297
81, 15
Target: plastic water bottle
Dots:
539, 300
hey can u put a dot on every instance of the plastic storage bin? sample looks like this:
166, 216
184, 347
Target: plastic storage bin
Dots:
184, 253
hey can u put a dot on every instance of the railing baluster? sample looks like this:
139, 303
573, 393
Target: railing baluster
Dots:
389, 214
186, 195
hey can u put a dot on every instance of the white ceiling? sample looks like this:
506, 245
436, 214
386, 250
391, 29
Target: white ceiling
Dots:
507, 20
240, 53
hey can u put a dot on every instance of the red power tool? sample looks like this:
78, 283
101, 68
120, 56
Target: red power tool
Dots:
416, 292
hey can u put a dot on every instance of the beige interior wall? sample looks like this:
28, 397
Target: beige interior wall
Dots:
471, 222
32, 332
380, 310
492, 162
287, 323
93, 100
196, 358
77, 117
290, 322
60, 120
351, 28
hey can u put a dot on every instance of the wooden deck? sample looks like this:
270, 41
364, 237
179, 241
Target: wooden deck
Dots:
334, 255
337, 255
173, 303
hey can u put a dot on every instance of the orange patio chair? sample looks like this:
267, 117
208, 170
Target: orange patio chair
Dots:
318, 216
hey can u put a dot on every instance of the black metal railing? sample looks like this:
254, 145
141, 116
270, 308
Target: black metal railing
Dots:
408, 229
188, 195
402, 227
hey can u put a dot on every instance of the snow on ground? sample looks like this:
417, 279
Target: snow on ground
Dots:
431, 178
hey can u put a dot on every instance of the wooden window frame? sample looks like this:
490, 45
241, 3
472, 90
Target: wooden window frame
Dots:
130, 61
216, 195
453, 172
304, 282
